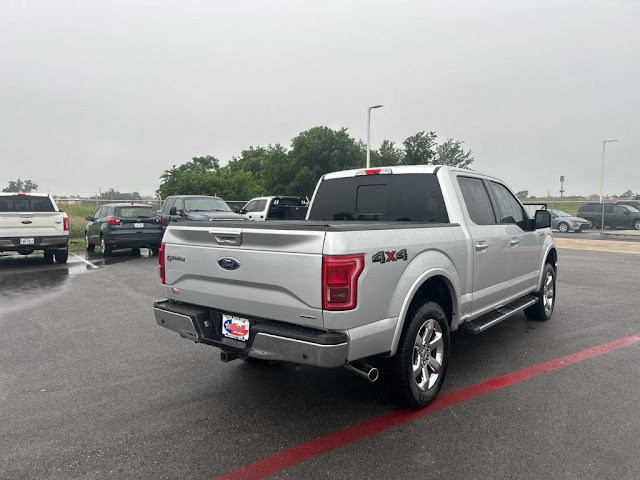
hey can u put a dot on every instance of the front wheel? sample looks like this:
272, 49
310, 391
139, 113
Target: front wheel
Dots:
563, 227
636, 224
88, 246
419, 366
543, 308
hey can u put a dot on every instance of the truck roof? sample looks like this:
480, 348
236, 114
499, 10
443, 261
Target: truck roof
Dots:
33, 194
405, 169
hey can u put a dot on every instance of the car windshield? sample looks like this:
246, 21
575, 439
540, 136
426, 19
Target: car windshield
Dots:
205, 204
25, 203
134, 212
560, 213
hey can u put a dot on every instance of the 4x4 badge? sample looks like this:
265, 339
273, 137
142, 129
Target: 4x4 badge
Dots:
383, 257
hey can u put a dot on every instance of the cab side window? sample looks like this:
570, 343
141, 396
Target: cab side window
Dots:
168, 203
179, 205
251, 206
261, 205
510, 210
477, 200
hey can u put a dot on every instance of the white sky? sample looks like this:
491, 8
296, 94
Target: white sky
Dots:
98, 95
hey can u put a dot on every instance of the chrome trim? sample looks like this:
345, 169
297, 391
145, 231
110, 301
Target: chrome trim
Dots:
176, 322
273, 347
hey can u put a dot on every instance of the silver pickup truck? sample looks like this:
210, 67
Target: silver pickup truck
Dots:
388, 262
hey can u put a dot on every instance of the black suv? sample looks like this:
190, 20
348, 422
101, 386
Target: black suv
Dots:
123, 225
615, 216
196, 207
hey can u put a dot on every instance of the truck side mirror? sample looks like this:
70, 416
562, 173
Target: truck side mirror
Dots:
542, 219
173, 211
89, 218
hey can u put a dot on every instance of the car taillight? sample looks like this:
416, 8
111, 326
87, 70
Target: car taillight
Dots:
340, 275
113, 221
65, 224
161, 262
159, 220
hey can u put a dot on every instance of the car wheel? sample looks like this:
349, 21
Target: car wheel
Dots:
636, 224
48, 256
563, 227
420, 363
61, 256
543, 308
88, 246
154, 251
105, 250
135, 251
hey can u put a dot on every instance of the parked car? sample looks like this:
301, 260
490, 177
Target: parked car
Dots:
275, 208
195, 207
123, 225
389, 261
32, 221
564, 222
615, 216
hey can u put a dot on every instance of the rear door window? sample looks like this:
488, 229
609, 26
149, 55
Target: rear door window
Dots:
477, 201
400, 197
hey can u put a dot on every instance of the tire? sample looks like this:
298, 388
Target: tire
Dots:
418, 368
543, 308
105, 250
48, 256
61, 256
88, 246
135, 251
636, 224
154, 251
563, 227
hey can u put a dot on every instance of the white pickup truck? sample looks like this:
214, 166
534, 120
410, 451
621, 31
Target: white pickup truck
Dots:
32, 221
387, 263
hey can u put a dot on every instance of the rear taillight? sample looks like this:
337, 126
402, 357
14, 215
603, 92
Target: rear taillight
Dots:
159, 220
161, 262
340, 281
65, 224
113, 221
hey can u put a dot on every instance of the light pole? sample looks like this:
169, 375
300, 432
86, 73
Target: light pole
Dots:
604, 144
369, 132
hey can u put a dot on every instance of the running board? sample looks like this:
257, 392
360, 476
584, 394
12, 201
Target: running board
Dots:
487, 321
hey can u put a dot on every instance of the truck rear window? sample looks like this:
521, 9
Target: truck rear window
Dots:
26, 203
134, 212
400, 197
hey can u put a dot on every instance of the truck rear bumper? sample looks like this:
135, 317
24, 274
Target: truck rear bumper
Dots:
59, 242
268, 340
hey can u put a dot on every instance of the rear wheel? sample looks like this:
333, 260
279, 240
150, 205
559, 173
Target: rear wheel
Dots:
135, 251
636, 224
48, 256
543, 308
88, 246
563, 227
420, 364
105, 249
61, 256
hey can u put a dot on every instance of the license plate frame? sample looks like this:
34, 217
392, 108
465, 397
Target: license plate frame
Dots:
138, 225
27, 241
235, 327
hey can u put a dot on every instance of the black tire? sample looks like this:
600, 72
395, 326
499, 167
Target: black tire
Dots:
61, 256
400, 371
636, 224
541, 310
154, 251
88, 246
135, 251
563, 227
105, 249
48, 256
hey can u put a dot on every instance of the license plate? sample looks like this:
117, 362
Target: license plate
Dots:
138, 225
235, 327
26, 241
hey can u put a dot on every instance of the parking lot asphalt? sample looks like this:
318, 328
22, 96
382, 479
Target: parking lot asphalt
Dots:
91, 387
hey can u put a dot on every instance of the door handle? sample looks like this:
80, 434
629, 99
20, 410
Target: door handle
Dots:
481, 247
514, 242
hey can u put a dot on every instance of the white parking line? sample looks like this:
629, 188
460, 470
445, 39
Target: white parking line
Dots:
85, 261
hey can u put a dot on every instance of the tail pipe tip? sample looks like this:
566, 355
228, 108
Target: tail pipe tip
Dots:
363, 370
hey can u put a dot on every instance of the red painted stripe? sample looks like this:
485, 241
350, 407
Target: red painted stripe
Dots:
293, 456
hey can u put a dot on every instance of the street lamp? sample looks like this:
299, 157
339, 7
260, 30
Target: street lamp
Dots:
604, 144
369, 133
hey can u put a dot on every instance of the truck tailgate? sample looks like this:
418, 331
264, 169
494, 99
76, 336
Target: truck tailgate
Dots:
31, 224
278, 273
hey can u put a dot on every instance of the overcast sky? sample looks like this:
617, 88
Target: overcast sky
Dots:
98, 95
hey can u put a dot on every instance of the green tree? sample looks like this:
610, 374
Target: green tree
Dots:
387, 156
522, 194
25, 186
419, 149
453, 154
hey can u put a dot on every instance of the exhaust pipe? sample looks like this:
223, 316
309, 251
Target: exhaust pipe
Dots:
227, 356
363, 370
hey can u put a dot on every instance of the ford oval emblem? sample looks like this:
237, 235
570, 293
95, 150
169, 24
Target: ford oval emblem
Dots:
229, 263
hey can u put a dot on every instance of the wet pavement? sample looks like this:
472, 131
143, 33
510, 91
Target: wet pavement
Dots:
91, 387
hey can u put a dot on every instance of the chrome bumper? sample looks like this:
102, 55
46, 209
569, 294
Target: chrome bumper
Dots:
263, 345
